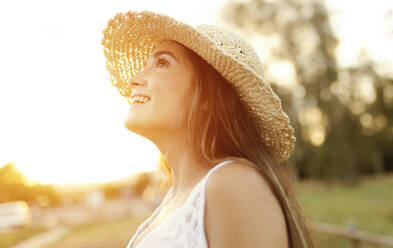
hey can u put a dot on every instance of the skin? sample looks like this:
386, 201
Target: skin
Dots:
242, 212
167, 81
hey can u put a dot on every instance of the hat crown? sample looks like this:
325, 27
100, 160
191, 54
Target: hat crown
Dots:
234, 45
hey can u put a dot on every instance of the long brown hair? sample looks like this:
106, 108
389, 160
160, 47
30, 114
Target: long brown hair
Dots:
227, 131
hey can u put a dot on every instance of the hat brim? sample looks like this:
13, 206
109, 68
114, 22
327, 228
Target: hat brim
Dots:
130, 38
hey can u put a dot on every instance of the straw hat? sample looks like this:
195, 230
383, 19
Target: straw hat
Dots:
129, 39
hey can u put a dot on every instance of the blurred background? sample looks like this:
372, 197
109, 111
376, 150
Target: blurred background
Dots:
71, 174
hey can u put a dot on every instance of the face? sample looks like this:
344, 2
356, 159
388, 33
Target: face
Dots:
167, 79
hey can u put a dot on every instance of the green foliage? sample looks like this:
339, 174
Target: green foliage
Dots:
341, 131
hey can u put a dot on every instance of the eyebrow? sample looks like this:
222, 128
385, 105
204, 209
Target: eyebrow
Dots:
156, 54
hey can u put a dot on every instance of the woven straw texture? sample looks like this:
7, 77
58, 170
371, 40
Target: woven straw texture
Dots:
129, 39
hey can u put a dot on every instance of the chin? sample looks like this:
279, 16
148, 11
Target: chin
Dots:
137, 126
132, 125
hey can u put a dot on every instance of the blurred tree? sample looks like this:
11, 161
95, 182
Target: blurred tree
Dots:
342, 116
143, 180
14, 186
111, 191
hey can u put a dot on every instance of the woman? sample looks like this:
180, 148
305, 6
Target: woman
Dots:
200, 96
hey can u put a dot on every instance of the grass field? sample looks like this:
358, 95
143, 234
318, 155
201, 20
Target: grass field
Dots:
12, 238
370, 205
100, 234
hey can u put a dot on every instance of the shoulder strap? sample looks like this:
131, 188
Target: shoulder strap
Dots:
219, 165
201, 214
203, 180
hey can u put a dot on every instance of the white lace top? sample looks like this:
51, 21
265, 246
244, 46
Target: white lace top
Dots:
184, 228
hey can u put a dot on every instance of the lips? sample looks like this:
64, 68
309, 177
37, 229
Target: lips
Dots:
138, 99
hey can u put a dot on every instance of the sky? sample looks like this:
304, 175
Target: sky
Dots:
363, 24
61, 120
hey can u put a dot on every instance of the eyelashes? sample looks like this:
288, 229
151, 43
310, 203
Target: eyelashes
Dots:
160, 62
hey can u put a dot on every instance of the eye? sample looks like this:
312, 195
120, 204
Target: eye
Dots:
162, 62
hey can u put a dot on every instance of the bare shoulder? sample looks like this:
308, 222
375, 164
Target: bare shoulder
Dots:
241, 210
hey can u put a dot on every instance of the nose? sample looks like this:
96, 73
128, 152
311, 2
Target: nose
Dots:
135, 81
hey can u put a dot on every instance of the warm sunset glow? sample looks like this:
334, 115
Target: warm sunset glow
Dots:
317, 135
63, 121
283, 72
313, 125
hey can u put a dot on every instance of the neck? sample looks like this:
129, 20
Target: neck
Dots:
186, 170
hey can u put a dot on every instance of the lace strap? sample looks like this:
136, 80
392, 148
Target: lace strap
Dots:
195, 203
148, 221
202, 202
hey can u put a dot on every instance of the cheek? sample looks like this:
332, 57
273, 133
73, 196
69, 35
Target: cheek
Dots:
172, 99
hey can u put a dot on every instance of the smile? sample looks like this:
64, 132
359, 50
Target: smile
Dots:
139, 100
